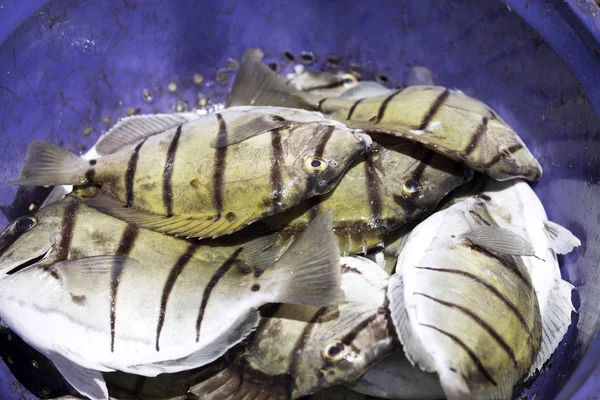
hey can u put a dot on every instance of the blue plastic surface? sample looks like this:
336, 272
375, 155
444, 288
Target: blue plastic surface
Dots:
67, 65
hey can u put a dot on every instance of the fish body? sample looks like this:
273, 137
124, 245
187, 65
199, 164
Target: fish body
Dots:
515, 206
468, 312
187, 180
395, 183
116, 297
446, 121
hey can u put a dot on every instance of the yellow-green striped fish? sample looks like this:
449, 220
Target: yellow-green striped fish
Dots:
113, 296
463, 303
397, 182
446, 121
208, 176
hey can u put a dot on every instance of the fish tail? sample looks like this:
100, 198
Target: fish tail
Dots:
47, 164
309, 271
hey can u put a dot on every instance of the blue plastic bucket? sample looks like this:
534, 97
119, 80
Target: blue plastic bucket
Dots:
68, 69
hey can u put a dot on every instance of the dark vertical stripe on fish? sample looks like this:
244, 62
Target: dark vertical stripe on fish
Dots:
168, 173
67, 226
320, 104
276, 175
298, 348
219, 168
128, 238
351, 111
130, 173
350, 336
488, 328
434, 109
373, 187
172, 278
384, 105
477, 136
320, 149
466, 348
498, 157
489, 287
511, 266
211, 285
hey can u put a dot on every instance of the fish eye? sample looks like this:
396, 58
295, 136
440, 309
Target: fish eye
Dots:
410, 187
333, 351
315, 165
349, 80
505, 153
24, 224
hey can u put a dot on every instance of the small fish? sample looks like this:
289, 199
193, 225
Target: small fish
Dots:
446, 121
184, 177
396, 183
123, 298
395, 378
463, 303
516, 207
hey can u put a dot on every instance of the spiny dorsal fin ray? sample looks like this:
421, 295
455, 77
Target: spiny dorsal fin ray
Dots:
241, 130
130, 130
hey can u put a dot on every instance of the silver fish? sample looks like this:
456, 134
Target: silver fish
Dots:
463, 303
515, 206
113, 296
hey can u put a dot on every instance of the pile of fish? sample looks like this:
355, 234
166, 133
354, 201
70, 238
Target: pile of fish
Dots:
317, 232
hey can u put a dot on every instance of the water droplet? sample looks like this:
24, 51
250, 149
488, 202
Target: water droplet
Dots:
198, 79
106, 120
148, 96
33, 206
87, 131
132, 111
180, 106
172, 87
222, 76
202, 100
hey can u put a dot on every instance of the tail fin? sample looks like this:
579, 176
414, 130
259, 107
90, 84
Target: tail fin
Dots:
47, 164
309, 271
256, 85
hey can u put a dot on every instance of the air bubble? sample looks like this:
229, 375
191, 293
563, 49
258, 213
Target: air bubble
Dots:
172, 87
198, 79
106, 120
233, 64
148, 96
132, 111
222, 76
87, 131
180, 106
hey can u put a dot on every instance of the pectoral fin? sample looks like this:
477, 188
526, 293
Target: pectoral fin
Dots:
88, 382
499, 240
82, 275
129, 130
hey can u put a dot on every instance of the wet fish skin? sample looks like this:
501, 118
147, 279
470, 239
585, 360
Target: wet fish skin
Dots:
446, 121
187, 180
515, 206
376, 195
158, 305
467, 313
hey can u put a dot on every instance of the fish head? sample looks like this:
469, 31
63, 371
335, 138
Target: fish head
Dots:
322, 84
319, 154
418, 177
509, 157
29, 239
342, 348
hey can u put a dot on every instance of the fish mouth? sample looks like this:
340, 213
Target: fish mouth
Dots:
21, 265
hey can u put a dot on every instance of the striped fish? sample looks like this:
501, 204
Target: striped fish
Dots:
463, 304
209, 176
396, 183
515, 206
446, 121
113, 296
291, 354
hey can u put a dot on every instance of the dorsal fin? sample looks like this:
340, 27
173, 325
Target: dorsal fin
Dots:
132, 129
255, 84
242, 129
